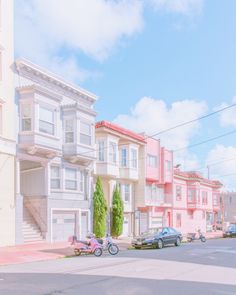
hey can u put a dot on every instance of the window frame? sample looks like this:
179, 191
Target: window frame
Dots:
127, 193
152, 161
178, 192
112, 152
124, 160
29, 117
55, 178
85, 135
178, 220
101, 151
71, 180
52, 124
134, 160
66, 132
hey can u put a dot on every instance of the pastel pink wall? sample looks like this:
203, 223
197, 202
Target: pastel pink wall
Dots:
153, 148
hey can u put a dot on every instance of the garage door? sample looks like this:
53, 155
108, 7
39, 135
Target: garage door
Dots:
63, 226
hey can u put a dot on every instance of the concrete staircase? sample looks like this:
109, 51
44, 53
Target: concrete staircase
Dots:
31, 231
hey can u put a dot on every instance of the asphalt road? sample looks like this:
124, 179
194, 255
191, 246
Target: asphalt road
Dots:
198, 268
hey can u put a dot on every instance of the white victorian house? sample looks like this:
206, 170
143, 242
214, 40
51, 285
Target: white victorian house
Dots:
55, 155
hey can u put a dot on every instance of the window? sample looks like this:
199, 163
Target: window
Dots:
101, 148
85, 133
216, 200
71, 179
191, 196
0, 56
152, 161
124, 157
190, 214
178, 220
178, 193
134, 160
46, 120
204, 198
127, 193
81, 181
55, 177
112, 152
168, 165
203, 215
26, 117
69, 131
0, 118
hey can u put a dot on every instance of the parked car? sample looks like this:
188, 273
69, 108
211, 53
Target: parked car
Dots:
230, 231
158, 238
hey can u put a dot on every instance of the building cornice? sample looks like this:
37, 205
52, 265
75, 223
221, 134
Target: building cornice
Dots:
39, 89
78, 92
77, 106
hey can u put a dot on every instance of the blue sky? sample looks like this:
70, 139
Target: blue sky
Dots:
153, 64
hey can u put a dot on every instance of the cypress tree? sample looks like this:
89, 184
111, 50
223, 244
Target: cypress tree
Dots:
117, 213
99, 210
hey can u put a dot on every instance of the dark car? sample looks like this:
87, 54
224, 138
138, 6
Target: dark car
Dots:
158, 238
230, 231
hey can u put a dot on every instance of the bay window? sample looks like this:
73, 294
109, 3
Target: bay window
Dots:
85, 133
69, 131
55, 177
46, 121
71, 179
191, 196
26, 117
178, 192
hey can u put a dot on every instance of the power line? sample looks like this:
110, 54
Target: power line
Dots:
205, 141
194, 120
172, 128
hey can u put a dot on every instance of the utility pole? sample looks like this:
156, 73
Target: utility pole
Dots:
208, 171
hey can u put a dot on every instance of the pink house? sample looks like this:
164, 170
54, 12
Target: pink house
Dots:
196, 201
156, 206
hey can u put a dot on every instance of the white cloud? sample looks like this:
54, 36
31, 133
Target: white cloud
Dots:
92, 26
227, 117
152, 116
222, 163
185, 7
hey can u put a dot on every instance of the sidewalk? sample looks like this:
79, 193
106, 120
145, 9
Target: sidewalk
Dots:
43, 251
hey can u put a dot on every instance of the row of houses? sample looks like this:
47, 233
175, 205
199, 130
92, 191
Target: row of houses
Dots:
52, 150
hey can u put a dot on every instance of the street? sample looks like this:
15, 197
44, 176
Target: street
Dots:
197, 268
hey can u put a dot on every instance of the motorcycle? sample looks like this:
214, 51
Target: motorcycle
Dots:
196, 236
108, 245
87, 247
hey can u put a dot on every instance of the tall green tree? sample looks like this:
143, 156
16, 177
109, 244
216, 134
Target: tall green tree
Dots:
99, 210
117, 211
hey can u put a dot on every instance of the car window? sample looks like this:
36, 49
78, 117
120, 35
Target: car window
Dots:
172, 230
165, 230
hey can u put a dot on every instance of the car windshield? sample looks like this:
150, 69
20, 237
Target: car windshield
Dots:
152, 231
231, 227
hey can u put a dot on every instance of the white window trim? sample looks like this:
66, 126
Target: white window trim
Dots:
31, 117
134, 160
73, 131
102, 151
90, 135
112, 153
58, 178
71, 179
127, 157
53, 110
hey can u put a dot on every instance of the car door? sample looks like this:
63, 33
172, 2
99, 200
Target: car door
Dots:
173, 235
165, 236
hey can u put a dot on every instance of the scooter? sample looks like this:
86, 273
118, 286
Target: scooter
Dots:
196, 236
87, 247
108, 245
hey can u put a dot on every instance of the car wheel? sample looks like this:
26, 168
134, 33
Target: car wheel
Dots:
160, 244
178, 242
